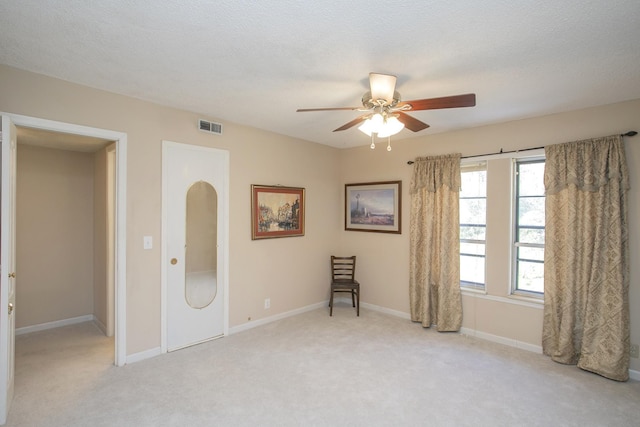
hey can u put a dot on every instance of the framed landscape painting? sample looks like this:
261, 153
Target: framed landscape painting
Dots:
276, 211
373, 206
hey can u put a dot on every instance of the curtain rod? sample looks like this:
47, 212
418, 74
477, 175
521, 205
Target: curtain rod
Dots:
630, 133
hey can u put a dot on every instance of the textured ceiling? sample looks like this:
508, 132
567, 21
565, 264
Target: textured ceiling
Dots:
255, 63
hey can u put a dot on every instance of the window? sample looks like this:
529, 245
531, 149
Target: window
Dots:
473, 224
529, 227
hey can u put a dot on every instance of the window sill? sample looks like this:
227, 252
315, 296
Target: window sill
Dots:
471, 290
511, 299
528, 298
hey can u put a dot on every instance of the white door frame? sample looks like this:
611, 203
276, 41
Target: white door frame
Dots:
164, 257
120, 275
8, 262
111, 237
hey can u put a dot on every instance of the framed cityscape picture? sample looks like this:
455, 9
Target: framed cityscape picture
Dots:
276, 211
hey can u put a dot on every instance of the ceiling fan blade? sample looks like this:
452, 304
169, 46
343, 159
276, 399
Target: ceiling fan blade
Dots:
382, 86
303, 110
466, 100
411, 123
352, 123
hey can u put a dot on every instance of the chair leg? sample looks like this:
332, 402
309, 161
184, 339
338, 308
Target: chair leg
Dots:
358, 308
353, 300
331, 304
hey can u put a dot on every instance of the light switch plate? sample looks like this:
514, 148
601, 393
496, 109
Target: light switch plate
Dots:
147, 242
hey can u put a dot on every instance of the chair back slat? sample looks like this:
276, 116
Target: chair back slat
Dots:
343, 268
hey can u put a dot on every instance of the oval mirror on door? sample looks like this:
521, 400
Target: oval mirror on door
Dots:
201, 252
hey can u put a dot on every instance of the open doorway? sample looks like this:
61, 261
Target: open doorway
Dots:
65, 240
10, 122
118, 153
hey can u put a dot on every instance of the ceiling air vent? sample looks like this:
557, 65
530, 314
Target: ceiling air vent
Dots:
211, 127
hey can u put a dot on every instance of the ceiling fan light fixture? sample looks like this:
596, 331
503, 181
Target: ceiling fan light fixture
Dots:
377, 121
390, 127
366, 127
372, 124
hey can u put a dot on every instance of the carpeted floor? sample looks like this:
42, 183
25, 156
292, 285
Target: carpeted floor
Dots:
311, 370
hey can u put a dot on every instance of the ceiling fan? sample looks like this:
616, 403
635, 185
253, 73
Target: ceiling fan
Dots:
385, 112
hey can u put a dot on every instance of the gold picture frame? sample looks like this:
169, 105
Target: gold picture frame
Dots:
277, 211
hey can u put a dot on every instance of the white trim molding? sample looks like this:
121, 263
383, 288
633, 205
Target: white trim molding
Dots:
400, 314
633, 374
265, 320
143, 355
55, 324
120, 267
501, 340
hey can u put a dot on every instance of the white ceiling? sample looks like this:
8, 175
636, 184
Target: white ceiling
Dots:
256, 62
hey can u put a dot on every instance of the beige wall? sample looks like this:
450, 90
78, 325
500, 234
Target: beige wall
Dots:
54, 208
384, 259
257, 157
257, 268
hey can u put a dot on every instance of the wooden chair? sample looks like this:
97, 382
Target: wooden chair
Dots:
343, 271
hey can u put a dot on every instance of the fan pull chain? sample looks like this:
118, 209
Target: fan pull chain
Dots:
373, 144
389, 143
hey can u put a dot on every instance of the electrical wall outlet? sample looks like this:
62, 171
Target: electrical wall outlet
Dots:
635, 351
267, 303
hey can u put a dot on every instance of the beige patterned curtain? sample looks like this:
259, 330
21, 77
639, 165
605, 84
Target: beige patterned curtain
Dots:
586, 260
434, 281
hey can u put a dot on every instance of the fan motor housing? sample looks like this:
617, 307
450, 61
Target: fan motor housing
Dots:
369, 103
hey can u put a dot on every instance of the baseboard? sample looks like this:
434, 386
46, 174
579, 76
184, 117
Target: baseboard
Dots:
255, 323
54, 324
384, 310
634, 375
501, 340
374, 307
100, 325
148, 354
143, 355
464, 331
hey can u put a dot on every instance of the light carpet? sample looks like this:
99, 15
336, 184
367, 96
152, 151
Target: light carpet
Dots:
311, 370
